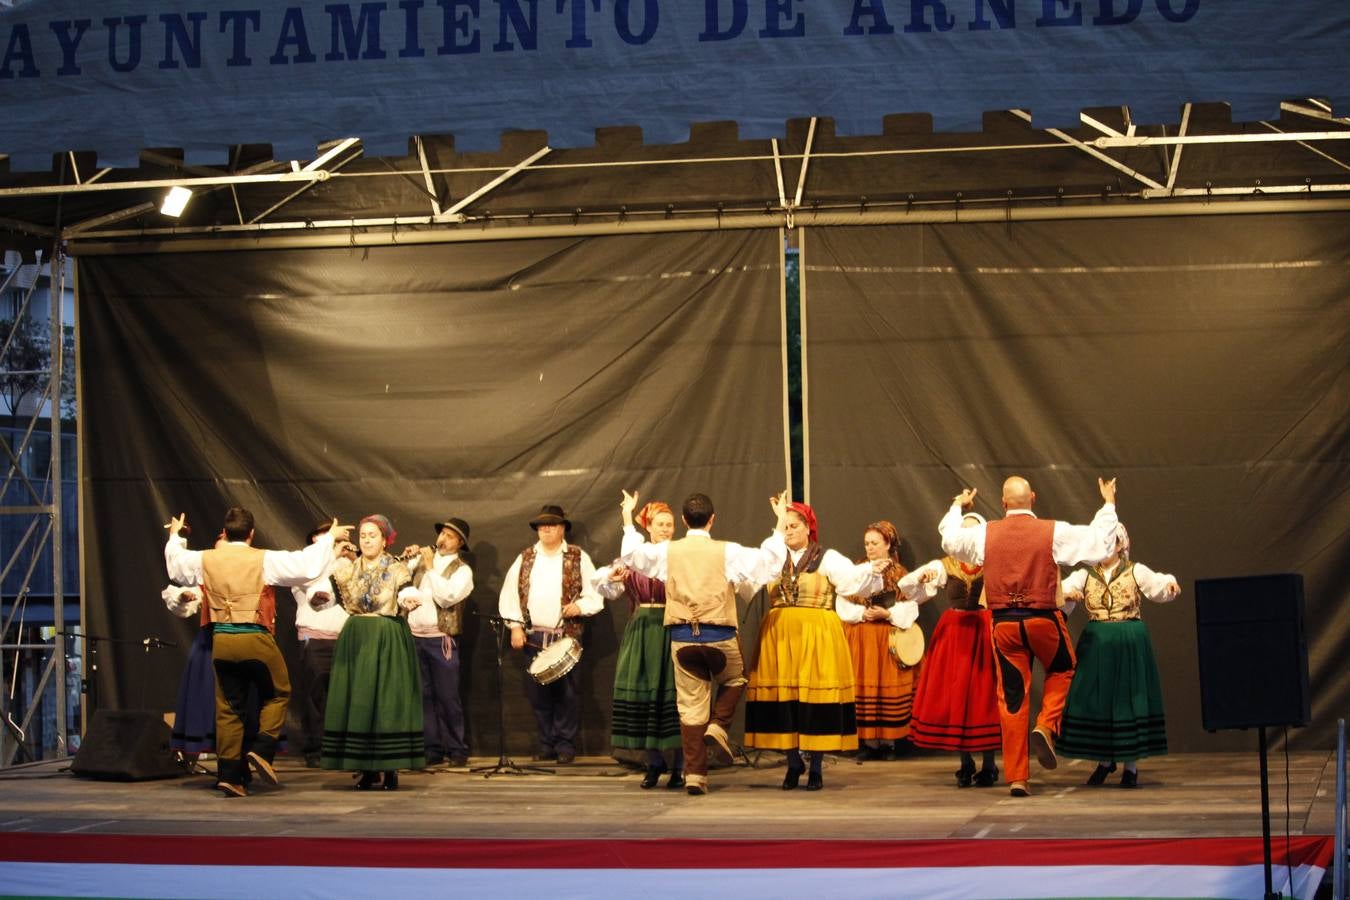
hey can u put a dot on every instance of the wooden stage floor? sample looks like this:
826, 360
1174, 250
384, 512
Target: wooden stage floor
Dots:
1185, 795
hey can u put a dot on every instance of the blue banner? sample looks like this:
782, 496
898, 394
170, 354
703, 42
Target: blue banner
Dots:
118, 76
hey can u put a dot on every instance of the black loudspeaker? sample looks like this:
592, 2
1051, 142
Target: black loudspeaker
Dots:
1253, 652
126, 745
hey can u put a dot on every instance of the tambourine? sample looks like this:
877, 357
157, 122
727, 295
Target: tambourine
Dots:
906, 646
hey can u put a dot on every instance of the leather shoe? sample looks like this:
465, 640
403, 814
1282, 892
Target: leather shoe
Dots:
719, 746
367, 781
696, 790
651, 778
230, 789
676, 779
566, 759
262, 767
791, 779
457, 761
1019, 789
965, 777
1129, 779
814, 782
1043, 745
986, 777
1099, 774
390, 781
544, 756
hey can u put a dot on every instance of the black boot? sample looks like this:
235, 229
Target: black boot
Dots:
795, 767
390, 780
965, 776
676, 779
1099, 774
367, 781
653, 775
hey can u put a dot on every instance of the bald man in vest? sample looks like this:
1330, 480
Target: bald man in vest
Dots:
243, 652
1021, 555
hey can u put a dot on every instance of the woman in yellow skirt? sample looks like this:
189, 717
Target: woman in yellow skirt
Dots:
882, 685
800, 698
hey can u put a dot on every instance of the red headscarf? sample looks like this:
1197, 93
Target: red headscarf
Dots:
649, 512
809, 516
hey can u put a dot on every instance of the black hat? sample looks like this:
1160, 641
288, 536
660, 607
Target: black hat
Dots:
551, 514
458, 526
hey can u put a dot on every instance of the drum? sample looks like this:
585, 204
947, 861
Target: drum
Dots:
555, 660
907, 646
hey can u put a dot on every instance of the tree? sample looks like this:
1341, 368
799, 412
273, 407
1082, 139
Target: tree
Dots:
24, 370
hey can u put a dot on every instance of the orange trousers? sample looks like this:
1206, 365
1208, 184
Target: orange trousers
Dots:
1017, 640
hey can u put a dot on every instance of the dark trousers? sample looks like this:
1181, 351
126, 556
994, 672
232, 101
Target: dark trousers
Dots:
316, 665
557, 708
247, 663
442, 709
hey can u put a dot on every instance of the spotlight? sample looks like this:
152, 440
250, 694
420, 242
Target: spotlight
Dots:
175, 200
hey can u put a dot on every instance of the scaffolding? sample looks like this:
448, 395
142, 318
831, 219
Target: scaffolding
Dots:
33, 657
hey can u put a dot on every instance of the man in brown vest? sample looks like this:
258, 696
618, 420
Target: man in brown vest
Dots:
1021, 555
244, 653
701, 577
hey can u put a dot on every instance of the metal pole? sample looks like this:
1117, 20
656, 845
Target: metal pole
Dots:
1265, 812
1338, 865
58, 343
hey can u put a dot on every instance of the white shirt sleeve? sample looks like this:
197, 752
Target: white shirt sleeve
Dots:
1153, 585
849, 611
904, 613
965, 543
609, 590
922, 592
1077, 581
446, 592
589, 602
184, 565
295, 568
756, 566
850, 579
632, 539
508, 602
183, 602
649, 559
1075, 544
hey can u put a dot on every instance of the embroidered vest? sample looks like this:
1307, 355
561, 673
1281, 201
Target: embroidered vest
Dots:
1116, 600
802, 585
371, 589
233, 584
963, 586
1019, 564
449, 621
571, 585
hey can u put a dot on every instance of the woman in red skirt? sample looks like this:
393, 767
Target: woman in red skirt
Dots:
956, 704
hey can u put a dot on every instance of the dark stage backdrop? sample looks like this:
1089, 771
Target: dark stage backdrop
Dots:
1202, 360
474, 380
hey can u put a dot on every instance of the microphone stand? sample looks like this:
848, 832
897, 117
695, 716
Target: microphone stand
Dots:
504, 764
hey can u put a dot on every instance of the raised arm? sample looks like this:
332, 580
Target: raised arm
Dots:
965, 543
295, 568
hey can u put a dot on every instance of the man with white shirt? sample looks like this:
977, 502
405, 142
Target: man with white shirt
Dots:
701, 576
244, 653
318, 622
1021, 555
444, 581
545, 593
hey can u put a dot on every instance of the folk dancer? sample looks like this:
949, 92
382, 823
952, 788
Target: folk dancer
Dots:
800, 697
883, 684
244, 653
702, 576
373, 723
1115, 711
645, 716
1021, 555
956, 702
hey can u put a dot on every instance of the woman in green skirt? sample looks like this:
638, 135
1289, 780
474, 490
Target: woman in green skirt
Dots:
1114, 713
373, 722
645, 716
